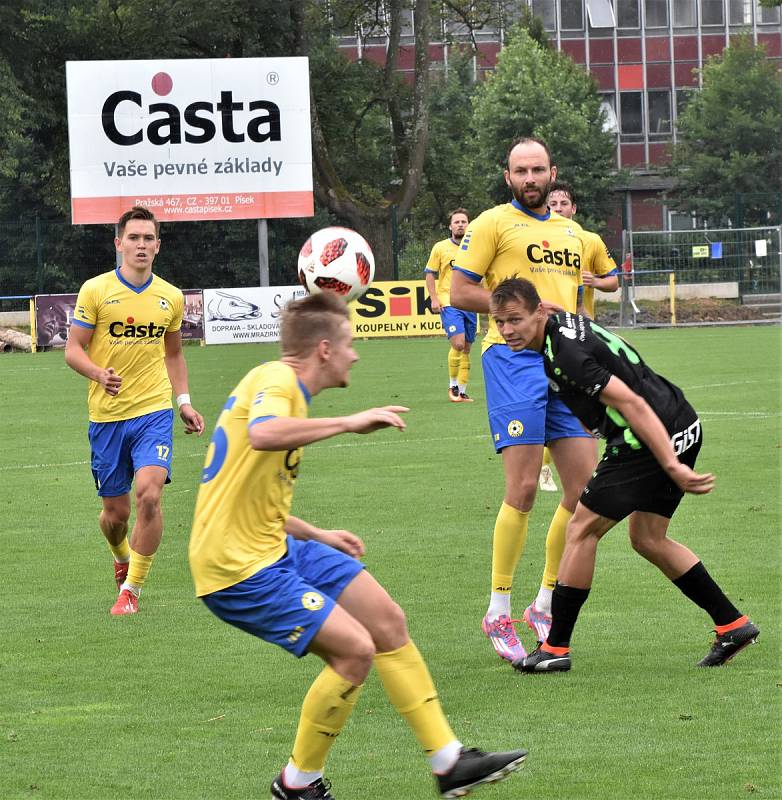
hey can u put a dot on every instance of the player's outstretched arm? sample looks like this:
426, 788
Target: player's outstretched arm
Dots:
288, 433
78, 360
342, 540
650, 430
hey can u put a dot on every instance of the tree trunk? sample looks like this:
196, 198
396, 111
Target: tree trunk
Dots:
377, 231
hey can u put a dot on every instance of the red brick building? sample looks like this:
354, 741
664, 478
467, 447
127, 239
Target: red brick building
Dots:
644, 55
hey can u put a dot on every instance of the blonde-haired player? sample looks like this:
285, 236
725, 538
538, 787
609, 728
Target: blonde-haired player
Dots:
459, 326
284, 580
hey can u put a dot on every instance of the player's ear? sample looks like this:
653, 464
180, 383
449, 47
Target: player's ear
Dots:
117, 242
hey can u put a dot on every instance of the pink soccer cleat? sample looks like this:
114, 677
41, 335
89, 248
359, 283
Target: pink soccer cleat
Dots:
538, 621
503, 636
120, 573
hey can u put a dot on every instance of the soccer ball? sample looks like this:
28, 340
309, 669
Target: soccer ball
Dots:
336, 260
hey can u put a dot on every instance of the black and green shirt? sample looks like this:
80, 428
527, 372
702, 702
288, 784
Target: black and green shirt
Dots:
580, 357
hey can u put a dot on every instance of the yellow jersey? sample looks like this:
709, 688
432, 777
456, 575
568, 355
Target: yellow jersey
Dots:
510, 241
128, 324
440, 263
596, 260
245, 496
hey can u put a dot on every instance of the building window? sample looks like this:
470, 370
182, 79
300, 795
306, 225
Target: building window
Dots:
627, 14
681, 221
768, 16
683, 13
740, 12
656, 13
659, 114
712, 13
608, 107
683, 99
601, 13
632, 118
547, 12
571, 15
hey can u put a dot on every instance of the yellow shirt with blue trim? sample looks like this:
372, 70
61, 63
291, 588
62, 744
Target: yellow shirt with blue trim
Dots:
598, 261
245, 495
128, 325
440, 263
509, 241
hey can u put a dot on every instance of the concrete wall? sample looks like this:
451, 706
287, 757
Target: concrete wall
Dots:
684, 291
9, 318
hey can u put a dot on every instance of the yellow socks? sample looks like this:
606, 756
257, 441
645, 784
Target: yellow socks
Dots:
121, 551
555, 546
324, 712
138, 570
546, 456
409, 687
464, 369
454, 361
510, 535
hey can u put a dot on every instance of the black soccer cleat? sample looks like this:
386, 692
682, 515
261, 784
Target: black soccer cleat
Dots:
474, 767
317, 790
728, 644
542, 661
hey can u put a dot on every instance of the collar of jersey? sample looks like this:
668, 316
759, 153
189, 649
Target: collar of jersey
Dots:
304, 390
541, 217
136, 289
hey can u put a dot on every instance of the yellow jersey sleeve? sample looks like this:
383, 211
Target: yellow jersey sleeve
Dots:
245, 495
598, 261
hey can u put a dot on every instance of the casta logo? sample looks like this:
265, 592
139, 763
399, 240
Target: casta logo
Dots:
542, 254
195, 125
129, 330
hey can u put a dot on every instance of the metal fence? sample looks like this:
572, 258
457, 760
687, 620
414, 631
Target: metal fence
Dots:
739, 264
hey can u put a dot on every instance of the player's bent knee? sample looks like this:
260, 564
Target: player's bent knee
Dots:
389, 630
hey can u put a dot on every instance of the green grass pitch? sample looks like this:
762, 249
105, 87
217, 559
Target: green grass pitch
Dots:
172, 703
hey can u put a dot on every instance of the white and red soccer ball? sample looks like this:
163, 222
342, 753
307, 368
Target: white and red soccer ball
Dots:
336, 260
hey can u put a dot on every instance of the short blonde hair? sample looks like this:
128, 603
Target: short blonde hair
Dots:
311, 319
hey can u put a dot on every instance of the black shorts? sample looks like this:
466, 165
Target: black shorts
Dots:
633, 480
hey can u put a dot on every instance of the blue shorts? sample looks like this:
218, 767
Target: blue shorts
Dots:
522, 409
287, 602
120, 449
455, 321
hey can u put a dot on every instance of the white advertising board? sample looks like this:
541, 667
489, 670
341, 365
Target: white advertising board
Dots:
192, 139
248, 314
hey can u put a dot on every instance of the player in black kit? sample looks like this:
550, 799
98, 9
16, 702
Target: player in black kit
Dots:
653, 436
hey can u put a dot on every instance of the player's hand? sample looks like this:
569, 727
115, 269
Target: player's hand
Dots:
436, 307
194, 422
551, 308
110, 381
587, 278
690, 481
345, 541
375, 418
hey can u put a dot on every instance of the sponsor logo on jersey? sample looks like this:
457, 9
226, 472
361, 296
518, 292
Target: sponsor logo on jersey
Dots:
129, 330
543, 254
568, 333
163, 303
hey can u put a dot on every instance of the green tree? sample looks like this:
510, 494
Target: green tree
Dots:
536, 91
728, 138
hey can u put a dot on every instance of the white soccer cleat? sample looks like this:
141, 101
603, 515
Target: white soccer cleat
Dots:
546, 479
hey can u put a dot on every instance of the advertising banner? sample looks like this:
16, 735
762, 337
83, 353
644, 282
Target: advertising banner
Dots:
54, 312
394, 308
249, 314
191, 139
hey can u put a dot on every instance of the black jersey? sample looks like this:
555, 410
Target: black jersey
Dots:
580, 357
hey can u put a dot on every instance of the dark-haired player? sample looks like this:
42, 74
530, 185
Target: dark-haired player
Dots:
302, 588
459, 326
125, 338
653, 436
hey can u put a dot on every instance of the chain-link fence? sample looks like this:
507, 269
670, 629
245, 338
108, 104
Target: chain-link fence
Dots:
742, 266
